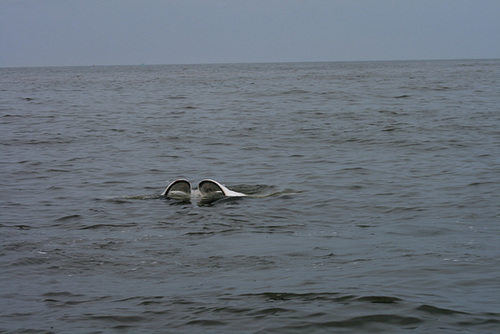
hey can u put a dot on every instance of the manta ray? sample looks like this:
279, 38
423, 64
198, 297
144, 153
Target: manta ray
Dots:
207, 189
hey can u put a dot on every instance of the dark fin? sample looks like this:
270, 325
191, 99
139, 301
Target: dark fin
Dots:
179, 189
210, 189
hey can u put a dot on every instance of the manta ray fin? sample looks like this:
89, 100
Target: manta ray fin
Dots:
179, 189
210, 189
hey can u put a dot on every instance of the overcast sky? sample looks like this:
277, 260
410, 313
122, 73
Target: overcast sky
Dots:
116, 32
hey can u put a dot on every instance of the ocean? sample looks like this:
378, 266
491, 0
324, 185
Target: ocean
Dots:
374, 198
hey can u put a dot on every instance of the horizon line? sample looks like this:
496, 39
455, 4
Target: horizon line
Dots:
249, 63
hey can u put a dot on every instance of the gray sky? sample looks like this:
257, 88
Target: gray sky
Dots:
116, 32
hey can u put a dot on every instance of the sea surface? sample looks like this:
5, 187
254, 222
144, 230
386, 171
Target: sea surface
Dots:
374, 198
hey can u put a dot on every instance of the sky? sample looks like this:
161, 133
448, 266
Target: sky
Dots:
128, 32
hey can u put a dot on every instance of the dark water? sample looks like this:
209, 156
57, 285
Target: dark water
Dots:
375, 198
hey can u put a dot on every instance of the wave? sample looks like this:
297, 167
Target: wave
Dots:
267, 312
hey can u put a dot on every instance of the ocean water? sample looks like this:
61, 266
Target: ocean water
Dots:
374, 198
